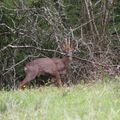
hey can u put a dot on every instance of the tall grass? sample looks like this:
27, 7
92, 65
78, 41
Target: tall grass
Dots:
93, 101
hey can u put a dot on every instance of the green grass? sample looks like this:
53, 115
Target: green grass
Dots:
93, 101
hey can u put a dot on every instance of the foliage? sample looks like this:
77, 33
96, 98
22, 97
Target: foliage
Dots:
44, 24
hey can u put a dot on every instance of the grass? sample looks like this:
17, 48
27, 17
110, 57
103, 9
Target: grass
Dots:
93, 101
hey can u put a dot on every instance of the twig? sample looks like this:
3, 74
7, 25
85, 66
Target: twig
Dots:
41, 49
49, 50
4, 48
96, 63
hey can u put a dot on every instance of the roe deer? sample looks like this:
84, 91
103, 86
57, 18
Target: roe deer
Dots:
51, 66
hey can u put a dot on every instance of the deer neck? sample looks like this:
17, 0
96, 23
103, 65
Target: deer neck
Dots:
66, 60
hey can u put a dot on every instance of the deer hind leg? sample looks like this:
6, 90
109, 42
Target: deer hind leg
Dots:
29, 76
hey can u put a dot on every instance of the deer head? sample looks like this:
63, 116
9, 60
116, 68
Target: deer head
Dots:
68, 47
51, 66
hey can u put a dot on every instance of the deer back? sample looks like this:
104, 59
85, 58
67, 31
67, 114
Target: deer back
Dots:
42, 66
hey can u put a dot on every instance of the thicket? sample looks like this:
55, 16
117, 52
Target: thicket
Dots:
35, 28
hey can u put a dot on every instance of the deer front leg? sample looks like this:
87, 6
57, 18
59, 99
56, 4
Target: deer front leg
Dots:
58, 82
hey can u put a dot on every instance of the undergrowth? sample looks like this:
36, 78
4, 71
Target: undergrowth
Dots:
92, 101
